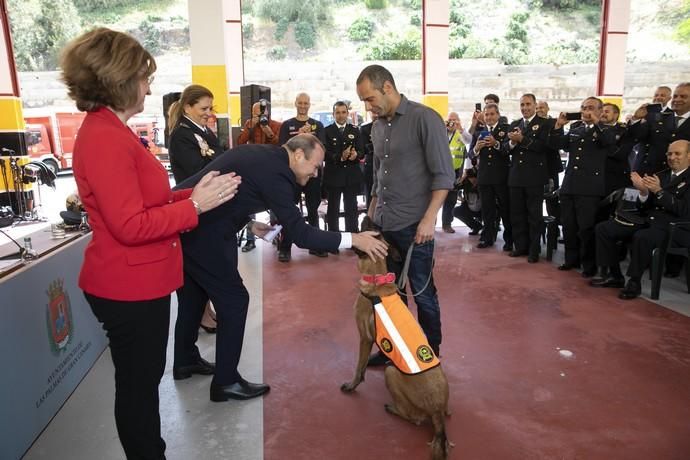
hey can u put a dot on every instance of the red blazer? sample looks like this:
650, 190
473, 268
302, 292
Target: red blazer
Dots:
136, 219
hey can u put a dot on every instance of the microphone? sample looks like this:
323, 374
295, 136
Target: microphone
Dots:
12, 256
6, 150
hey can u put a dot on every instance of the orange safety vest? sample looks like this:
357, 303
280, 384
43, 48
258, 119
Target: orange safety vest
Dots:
400, 337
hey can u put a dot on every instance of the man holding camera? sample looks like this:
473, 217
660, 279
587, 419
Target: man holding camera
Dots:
458, 140
588, 145
259, 129
342, 175
656, 128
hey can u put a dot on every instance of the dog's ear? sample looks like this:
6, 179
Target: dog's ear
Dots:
394, 254
368, 224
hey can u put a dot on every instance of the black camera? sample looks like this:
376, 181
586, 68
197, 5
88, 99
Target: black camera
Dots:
264, 116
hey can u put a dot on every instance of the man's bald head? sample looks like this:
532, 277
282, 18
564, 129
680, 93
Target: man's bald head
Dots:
678, 155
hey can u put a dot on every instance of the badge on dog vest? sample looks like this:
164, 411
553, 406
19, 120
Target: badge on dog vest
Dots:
400, 337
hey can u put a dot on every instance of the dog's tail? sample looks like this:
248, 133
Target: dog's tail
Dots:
439, 445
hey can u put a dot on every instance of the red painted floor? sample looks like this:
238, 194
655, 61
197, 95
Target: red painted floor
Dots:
624, 393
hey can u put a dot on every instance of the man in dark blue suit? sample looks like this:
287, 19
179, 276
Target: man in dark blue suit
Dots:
270, 175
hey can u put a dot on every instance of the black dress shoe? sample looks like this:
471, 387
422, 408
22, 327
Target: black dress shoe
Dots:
484, 244
201, 367
533, 259
378, 359
517, 253
565, 267
611, 281
475, 231
589, 272
507, 247
284, 256
316, 253
238, 390
248, 246
631, 290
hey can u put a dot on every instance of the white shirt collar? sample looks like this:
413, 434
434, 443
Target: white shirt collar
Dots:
684, 116
340, 126
203, 128
678, 173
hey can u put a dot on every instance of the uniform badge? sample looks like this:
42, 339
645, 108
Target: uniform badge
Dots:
386, 345
501, 133
425, 354
204, 149
535, 127
313, 127
350, 136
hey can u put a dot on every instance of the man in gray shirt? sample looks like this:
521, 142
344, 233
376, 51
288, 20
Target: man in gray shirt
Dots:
412, 175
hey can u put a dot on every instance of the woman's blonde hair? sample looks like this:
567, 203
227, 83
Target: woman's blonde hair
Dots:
105, 68
190, 96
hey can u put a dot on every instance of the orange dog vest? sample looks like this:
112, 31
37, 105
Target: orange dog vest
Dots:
400, 337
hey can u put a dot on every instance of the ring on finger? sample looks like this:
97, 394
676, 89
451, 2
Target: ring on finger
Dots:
220, 195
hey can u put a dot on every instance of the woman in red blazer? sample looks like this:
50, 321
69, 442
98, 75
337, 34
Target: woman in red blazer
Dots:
133, 261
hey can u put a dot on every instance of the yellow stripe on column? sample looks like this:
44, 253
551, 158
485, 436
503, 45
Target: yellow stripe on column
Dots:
438, 102
11, 117
614, 100
235, 110
214, 78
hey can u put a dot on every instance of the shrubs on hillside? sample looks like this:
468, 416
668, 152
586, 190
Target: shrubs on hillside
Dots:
361, 30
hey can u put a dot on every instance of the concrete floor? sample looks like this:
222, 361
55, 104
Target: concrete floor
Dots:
623, 394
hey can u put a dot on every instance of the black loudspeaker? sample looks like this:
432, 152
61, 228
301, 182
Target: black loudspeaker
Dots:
168, 99
250, 94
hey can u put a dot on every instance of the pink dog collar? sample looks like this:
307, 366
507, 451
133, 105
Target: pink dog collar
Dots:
378, 280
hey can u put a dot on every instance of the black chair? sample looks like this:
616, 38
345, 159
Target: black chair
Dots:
659, 258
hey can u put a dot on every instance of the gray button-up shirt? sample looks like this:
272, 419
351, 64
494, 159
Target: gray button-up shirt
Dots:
411, 159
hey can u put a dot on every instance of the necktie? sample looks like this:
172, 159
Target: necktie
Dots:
673, 176
341, 129
679, 121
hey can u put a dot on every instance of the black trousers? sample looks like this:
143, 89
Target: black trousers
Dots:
526, 215
449, 204
495, 202
312, 198
231, 301
138, 335
349, 196
579, 216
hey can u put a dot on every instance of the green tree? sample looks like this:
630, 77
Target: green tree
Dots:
40, 29
682, 33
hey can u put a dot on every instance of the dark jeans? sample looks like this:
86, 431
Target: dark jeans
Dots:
138, 335
421, 265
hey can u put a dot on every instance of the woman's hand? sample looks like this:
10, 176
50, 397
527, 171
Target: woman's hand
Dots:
215, 189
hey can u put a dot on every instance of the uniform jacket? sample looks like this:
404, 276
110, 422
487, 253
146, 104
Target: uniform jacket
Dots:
267, 183
529, 158
587, 152
191, 149
553, 156
493, 162
655, 132
672, 205
617, 167
342, 173
134, 253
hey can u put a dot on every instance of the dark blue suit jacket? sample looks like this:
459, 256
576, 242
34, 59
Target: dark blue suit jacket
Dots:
267, 183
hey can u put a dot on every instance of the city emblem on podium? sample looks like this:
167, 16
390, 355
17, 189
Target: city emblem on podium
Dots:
58, 316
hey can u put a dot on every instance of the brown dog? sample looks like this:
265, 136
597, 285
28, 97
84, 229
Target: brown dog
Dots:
416, 398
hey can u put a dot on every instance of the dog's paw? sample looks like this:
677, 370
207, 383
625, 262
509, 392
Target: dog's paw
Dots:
348, 387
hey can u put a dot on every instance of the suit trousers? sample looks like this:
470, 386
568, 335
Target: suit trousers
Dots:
420, 276
349, 195
473, 219
138, 336
644, 241
231, 301
495, 202
579, 217
312, 200
526, 215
